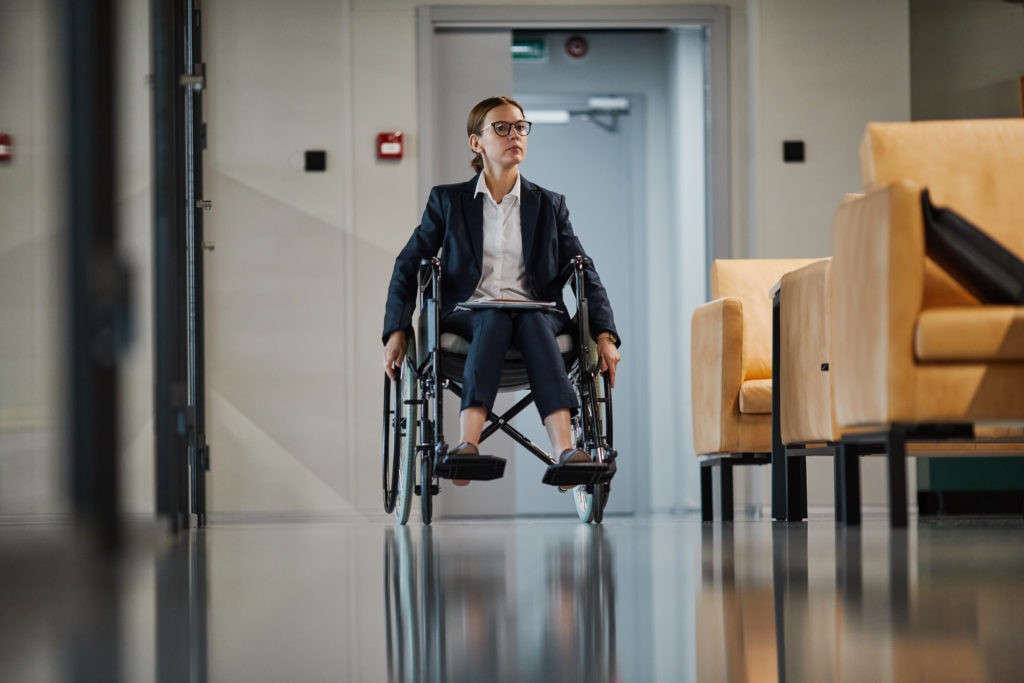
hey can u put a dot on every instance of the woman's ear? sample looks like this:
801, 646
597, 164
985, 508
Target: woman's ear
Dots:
474, 143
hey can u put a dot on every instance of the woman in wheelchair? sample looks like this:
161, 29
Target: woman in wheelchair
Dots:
501, 238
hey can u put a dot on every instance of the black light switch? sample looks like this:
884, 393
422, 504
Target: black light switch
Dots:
793, 151
316, 160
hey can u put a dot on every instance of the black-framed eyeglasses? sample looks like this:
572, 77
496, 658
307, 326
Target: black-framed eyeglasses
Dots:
504, 128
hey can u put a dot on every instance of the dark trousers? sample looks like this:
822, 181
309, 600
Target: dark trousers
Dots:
491, 332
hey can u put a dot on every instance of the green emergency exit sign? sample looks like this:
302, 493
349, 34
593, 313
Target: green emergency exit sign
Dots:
532, 49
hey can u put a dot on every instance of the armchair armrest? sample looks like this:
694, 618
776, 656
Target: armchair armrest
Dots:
716, 354
877, 292
805, 386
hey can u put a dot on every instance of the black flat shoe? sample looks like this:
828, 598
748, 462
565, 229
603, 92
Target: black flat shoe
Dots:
573, 455
464, 448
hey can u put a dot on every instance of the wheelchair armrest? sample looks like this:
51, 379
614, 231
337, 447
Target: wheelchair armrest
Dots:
429, 320
575, 265
430, 274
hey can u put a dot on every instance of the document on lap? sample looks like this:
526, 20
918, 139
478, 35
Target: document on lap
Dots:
520, 304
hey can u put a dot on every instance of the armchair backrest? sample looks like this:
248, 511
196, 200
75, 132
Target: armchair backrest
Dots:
750, 281
975, 167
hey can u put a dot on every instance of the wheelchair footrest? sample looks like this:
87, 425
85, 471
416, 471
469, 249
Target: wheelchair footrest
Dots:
473, 467
576, 473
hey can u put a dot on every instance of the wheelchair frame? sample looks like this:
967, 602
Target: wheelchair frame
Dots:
415, 408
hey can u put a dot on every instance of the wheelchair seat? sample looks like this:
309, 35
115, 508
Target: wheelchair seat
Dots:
513, 374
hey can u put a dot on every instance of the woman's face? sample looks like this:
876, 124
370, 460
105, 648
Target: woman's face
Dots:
498, 152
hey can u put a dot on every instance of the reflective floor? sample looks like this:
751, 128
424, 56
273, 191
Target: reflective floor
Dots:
651, 599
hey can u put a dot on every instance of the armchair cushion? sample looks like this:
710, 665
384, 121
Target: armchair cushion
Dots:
756, 397
987, 269
996, 334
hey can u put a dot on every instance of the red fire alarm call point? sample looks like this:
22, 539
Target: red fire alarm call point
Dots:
389, 145
6, 148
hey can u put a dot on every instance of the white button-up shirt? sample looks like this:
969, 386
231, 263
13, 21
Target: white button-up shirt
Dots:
503, 271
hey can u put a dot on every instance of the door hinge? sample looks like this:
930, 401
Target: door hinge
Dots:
195, 80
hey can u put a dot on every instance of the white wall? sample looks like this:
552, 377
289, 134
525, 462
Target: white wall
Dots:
821, 71
279, 284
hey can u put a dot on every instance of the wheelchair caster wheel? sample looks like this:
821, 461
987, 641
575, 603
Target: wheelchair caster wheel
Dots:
590, 502
427, 489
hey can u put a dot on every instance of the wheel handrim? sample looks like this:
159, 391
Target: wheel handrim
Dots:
407, 452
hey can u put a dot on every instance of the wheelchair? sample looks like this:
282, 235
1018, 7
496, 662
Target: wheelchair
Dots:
414, 453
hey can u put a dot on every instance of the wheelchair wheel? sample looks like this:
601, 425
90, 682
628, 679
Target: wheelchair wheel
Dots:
592, 431
583, 496
389, 481
600, 498
426, 488
398, 455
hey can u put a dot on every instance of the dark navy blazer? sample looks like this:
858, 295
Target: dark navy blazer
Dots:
453, 222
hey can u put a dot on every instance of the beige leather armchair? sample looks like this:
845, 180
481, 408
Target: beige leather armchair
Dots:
731, 371
913, 355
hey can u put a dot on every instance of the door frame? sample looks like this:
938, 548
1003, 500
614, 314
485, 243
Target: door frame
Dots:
714, 19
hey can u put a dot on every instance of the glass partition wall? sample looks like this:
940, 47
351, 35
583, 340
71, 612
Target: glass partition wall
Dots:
101, 136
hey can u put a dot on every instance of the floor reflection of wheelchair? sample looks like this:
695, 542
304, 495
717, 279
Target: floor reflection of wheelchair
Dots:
414, 646
413, 436
446, 610
453, 611
578, 639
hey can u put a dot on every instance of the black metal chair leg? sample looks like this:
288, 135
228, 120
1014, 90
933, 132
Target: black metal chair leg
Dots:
725, 469
780, 476
796, 488
897, 457
837, 486
707, 507
848, 467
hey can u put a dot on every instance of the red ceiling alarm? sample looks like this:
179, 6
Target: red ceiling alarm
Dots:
6, 147
577, 47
